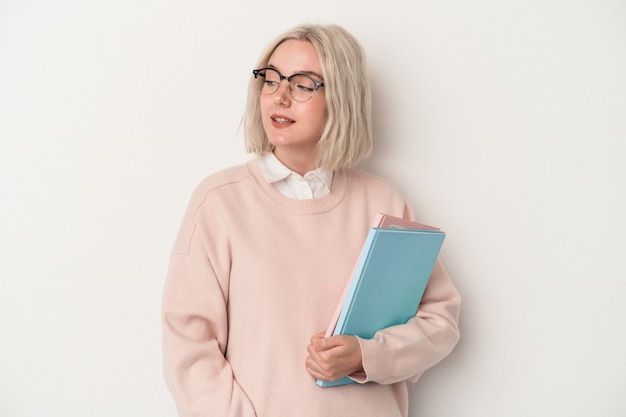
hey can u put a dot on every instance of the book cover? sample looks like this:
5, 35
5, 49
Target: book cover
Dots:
388, 280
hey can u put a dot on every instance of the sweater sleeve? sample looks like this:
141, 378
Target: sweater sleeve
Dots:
405, 352
195, 327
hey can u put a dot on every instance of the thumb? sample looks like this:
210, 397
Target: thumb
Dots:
330, 342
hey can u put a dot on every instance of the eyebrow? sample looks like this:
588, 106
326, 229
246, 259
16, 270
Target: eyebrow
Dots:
298, 72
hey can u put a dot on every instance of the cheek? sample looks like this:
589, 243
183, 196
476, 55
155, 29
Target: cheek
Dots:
264, 104
322, 115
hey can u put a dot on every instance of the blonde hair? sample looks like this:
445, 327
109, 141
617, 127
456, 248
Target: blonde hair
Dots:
347, 136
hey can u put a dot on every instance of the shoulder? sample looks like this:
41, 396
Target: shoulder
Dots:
225, 177
359, 173
358, 177
376, 193
220, 181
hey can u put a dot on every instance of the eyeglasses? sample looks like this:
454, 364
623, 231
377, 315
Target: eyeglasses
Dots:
302, 87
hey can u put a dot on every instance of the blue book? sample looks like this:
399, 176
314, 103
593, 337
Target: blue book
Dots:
388, 281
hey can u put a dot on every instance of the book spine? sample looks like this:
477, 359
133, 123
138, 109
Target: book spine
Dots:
354, 282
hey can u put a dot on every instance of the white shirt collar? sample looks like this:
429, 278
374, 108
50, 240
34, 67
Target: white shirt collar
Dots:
276, 173
273, 170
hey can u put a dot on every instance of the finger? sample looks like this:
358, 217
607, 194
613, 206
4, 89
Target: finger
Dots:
331, 342
315, 369
316, 338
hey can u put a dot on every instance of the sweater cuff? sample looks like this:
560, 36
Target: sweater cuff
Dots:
367, 360
377, 364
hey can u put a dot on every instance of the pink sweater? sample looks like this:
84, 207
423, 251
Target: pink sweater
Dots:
253, 275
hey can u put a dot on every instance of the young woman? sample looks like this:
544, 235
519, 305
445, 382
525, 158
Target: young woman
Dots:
266, 248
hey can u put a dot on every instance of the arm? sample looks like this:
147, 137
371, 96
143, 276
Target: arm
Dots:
194, 341
397, 353
195, 323
406, 351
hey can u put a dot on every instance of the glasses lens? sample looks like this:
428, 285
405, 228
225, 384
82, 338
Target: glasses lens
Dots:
301, 88
270, 81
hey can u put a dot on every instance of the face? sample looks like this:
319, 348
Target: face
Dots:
293, 127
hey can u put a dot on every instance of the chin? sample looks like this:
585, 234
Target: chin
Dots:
279, 141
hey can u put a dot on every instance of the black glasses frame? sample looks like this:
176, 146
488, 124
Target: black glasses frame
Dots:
317, 84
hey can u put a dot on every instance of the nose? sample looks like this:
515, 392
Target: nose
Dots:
282, 94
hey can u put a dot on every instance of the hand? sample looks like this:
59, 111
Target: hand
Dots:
332, 358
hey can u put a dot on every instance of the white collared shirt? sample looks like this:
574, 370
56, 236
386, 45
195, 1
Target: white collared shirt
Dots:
313, 184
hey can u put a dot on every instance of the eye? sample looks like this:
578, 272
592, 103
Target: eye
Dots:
303, 83
305, 88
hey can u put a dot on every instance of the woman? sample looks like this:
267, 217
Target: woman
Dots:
265, 250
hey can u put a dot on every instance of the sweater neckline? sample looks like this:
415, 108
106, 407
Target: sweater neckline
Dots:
300, 207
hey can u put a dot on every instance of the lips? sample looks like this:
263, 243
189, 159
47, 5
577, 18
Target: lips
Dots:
281, 120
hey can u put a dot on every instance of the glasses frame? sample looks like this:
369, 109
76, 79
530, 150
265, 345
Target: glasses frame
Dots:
317, 84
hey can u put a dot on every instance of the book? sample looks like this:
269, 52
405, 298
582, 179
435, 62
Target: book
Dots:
388, 280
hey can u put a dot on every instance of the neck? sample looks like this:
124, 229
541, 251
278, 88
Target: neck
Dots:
300, 164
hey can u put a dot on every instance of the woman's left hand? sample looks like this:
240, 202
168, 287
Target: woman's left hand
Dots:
332, 358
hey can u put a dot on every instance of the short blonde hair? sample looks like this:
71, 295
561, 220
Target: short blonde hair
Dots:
347, 136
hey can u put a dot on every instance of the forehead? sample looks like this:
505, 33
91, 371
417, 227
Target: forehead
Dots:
295, 56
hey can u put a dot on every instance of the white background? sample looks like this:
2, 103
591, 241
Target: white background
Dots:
502, 122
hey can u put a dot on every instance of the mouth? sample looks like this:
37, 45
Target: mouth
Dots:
281, 120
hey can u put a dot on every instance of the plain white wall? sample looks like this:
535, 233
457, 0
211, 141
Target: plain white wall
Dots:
502, 122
